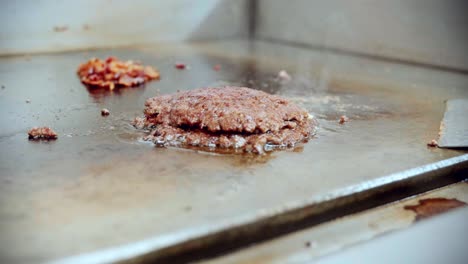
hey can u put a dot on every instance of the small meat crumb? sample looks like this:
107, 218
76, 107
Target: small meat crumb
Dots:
180, 66
343, 119
60, 28
217, 67
433, 143
86, 27
284, 76
105, 112
139, 122
46, 133
28, 101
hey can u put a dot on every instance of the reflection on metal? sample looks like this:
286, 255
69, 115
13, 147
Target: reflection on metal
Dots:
342, 202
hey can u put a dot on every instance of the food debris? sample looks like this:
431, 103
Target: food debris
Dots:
311, 244
86, 27
113, 73
284, 76
217, 67
343, 119
433, 143
105, 112
3, 86
60, 28
28, 101
180, 66
46, 133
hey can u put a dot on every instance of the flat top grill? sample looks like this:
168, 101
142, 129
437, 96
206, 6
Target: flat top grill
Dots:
99, 186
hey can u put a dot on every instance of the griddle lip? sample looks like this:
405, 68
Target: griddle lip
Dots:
219, 241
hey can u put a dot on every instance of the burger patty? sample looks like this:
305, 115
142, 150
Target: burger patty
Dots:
236, 118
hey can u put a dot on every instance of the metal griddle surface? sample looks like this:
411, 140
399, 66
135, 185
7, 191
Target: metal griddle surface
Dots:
99, 186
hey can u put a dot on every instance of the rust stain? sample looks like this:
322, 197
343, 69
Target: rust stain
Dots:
433, 206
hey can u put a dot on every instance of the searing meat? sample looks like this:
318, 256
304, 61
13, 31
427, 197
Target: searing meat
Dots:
237, 118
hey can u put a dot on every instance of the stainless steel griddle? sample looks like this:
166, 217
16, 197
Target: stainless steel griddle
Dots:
99, 193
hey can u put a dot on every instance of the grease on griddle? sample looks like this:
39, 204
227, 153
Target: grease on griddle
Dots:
60, 28
433, 206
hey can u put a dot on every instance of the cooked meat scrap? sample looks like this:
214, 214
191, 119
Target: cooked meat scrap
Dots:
113, 73
231, 117
42, 133
343, 119
433, 143
105, 112
180, 66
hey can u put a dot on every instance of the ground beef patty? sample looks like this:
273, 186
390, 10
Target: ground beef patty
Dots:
237, 118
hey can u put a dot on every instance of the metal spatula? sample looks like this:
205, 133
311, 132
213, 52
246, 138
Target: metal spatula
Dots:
454, 127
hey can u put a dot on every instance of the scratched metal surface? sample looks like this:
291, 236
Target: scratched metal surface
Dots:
98, 186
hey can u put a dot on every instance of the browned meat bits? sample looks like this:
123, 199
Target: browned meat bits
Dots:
46, 133
105, 112
112, 73
180, 66
433, 143
237, 118
343, 119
